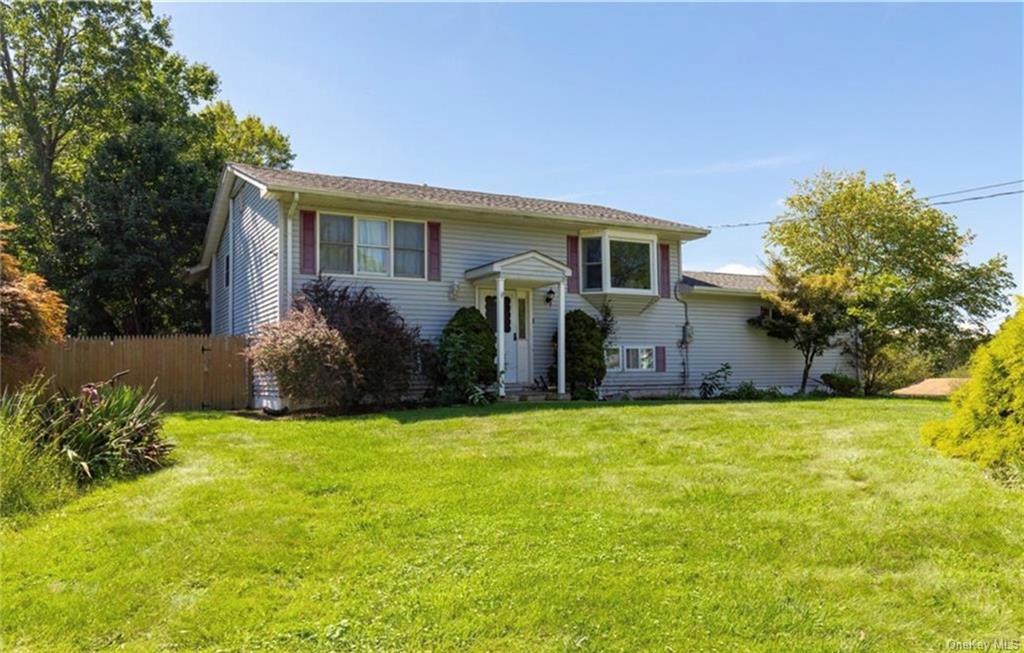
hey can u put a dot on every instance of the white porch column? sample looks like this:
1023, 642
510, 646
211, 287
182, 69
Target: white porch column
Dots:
561, 337
500, 300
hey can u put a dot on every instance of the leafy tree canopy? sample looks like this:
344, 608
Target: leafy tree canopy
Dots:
909, 278
248, 140
808, 311
107, 168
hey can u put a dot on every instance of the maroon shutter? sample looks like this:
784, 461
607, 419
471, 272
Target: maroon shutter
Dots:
572, 259
434, 251
307, 242
659, 359
664, 271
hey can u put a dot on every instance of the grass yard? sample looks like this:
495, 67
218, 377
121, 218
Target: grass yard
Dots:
805, 526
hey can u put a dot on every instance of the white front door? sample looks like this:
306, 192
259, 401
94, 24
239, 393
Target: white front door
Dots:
517, 320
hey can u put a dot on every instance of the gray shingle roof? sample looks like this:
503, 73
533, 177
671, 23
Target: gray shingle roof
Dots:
725, 281
391, 190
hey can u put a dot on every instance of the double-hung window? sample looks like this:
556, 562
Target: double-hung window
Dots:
336, 240
593, 269
410, 249
640, 358
372, 246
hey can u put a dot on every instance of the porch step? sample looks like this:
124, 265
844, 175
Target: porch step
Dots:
525, 396
513, 394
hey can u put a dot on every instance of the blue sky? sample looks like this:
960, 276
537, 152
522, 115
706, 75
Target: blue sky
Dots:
698, 113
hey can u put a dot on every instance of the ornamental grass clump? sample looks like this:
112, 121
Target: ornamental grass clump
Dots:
33, 476
54, 442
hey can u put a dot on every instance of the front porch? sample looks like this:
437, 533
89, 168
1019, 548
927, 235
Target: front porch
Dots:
509, 283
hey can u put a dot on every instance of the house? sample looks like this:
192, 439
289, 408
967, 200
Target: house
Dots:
432, 250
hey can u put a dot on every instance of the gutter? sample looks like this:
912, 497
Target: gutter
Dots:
716, 290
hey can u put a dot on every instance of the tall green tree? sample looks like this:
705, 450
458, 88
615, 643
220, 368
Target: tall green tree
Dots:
145, 203
143, 210
247, 140
910, 280
808, 311
103, 156
65, 68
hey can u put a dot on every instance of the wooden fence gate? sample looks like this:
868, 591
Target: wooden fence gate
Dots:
187, 372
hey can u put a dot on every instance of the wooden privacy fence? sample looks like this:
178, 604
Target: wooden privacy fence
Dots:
188, 372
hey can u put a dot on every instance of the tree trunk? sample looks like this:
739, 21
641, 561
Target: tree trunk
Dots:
808, 362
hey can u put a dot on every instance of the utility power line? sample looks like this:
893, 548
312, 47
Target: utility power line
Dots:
758, 223
971, 190
978, 197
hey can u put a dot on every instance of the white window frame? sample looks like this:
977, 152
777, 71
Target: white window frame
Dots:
389, 248
583, 263
426, 245
625, 358
622, 362
606, 236
340, 215
356, 272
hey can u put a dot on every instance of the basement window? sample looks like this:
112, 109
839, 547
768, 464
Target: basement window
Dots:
640, 359
613, 359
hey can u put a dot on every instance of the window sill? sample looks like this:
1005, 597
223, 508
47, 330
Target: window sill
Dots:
621, 291
368, 275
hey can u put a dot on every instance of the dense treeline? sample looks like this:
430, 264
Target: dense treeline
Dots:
110, 151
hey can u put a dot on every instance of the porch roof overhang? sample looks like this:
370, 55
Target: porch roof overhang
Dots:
529, 269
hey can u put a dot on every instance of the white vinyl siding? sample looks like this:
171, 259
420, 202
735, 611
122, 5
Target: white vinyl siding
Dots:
254, 261
721, 331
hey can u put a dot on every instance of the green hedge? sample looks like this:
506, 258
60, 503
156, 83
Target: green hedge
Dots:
987, 424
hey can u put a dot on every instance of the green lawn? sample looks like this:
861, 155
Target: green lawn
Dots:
804, 526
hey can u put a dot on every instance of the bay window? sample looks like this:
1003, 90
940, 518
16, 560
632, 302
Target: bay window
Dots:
630, 264
613, 262
593, 274
355, 245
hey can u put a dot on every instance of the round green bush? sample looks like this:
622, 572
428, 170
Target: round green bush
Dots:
842, 385
468, 353
987, 424
584, 355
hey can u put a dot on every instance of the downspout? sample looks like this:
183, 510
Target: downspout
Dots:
231, 266
287, 258
686, 331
